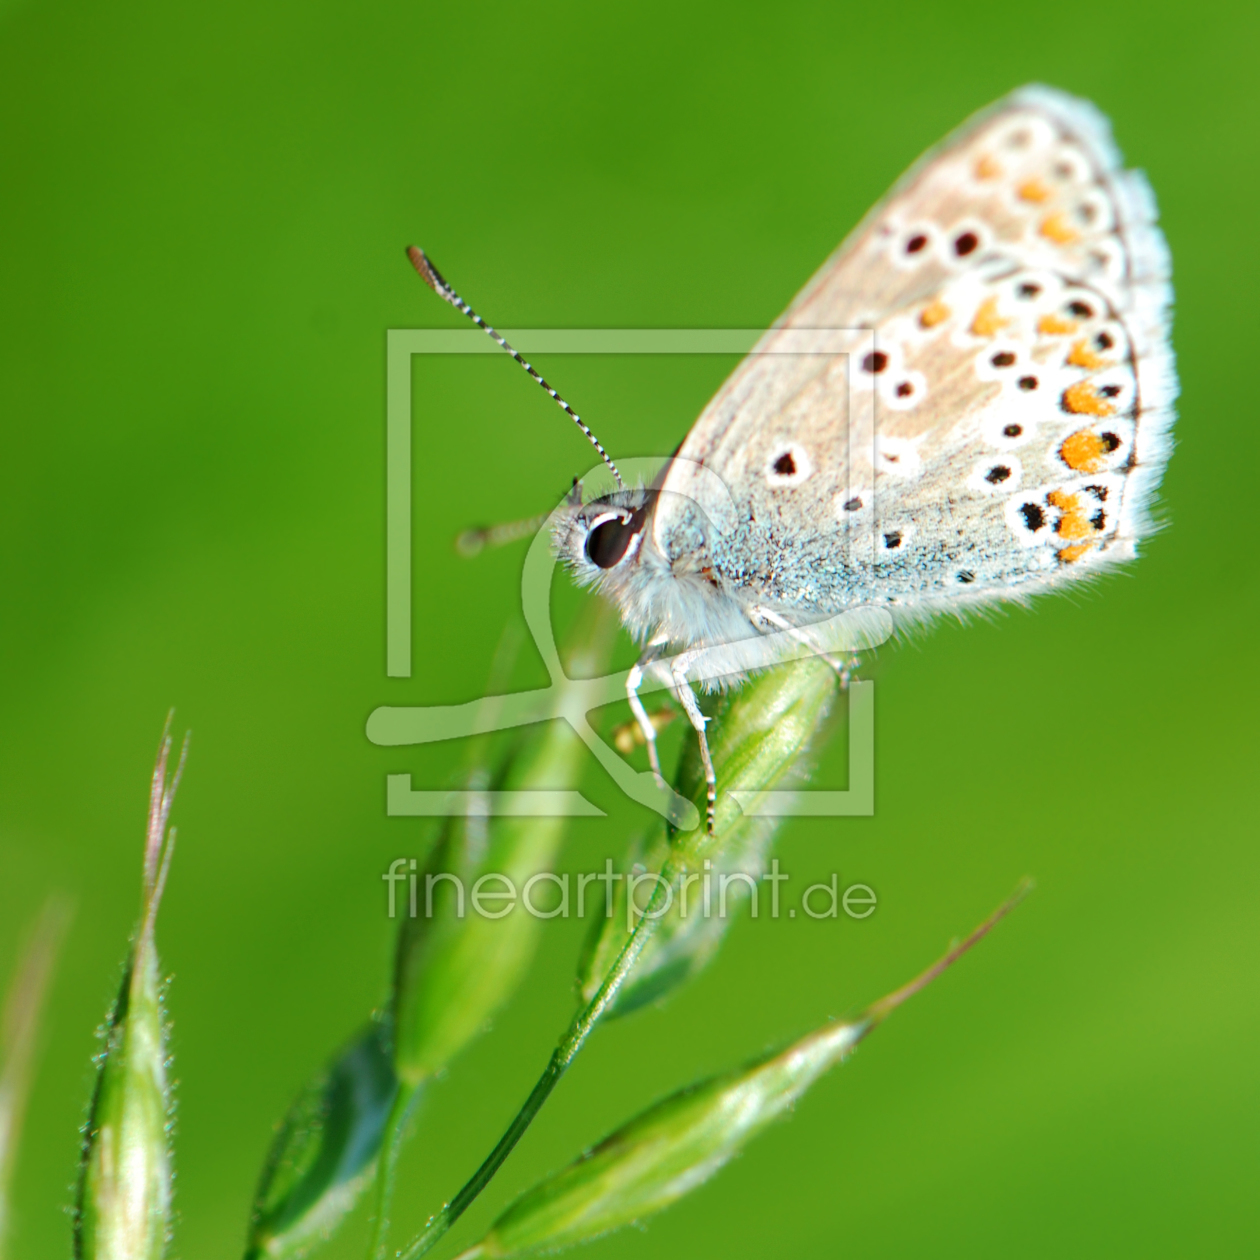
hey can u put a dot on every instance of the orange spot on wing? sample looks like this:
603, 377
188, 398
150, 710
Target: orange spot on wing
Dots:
1070, 555
1083, 357
1084, 452
1055, 227
1073, 524
1055, 325
1083, 399
987, 167
935, 312
1034, 190
988, 323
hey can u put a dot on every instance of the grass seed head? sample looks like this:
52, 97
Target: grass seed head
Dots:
123, 1206
678, 1144
760, 738
19, 1037
325, 1151
455, 967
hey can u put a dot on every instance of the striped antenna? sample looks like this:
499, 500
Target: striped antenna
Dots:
433, 278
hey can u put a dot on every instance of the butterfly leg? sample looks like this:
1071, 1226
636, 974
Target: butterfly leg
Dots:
634, 679
691, 706
844, 669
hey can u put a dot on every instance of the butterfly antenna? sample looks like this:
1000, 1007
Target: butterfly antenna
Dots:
433, 278
473, 541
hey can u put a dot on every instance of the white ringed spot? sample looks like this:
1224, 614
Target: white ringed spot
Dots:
996, 475
788, 466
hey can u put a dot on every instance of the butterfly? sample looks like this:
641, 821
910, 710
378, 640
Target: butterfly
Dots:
995, 425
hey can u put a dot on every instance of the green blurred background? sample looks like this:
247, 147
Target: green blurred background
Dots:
203, 211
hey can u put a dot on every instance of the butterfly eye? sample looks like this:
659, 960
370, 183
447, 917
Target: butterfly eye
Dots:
609, 540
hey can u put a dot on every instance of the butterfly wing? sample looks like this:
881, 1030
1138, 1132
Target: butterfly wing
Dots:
1002, 423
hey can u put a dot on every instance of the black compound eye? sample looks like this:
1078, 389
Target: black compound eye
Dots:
608, 542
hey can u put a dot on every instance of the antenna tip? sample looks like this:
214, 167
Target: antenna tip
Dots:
428, 272
471, 542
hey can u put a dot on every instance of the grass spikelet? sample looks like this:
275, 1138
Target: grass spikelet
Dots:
19, 1030
760, 738
123, 1206
325, 1151
678, 1144
455, 968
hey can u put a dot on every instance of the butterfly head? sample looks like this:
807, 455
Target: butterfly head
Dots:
600, 541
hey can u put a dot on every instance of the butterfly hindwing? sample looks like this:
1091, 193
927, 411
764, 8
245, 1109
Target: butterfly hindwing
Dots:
1002, 422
